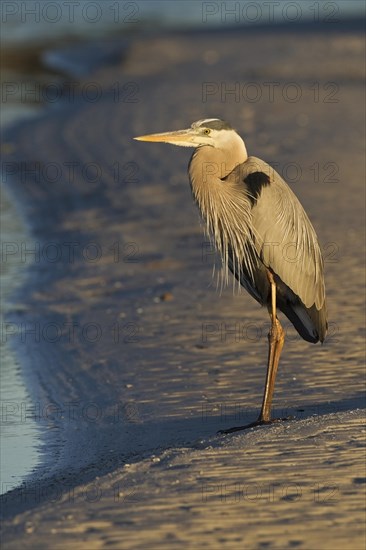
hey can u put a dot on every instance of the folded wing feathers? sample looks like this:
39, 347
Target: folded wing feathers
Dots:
285, 239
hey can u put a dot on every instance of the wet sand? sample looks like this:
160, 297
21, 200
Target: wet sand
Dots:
136, 361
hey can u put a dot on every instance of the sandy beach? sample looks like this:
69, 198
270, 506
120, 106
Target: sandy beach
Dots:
132, 357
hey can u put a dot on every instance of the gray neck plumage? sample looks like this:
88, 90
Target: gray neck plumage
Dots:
221, 202
209, 164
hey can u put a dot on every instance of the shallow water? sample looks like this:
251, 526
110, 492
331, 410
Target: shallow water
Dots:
19, 435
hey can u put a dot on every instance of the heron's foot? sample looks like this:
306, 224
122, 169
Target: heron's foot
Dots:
259, 422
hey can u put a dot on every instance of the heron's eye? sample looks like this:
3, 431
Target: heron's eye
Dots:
206, 131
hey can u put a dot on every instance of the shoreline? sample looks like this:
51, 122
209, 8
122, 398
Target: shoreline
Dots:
19, 452
154, 413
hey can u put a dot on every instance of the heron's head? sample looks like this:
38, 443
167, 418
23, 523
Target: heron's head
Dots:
209, 131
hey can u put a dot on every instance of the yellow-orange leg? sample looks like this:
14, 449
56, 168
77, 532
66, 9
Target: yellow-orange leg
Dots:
276, 339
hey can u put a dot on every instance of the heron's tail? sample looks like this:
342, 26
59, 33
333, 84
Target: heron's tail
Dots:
310, 323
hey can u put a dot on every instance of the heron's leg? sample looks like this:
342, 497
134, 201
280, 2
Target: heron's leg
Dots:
276, 339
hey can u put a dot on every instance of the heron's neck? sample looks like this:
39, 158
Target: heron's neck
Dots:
214, 195
209, 165
213, 163
222, 202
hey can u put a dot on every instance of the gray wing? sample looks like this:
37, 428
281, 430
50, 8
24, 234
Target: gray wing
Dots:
284, 237
283, 240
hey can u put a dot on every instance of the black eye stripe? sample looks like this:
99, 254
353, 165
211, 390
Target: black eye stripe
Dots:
217, 125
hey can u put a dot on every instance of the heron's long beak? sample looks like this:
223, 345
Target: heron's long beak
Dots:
181, 137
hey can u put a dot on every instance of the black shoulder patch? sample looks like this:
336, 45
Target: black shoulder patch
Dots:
255, 182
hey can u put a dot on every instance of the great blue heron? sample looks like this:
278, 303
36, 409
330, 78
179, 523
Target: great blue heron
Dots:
262, 233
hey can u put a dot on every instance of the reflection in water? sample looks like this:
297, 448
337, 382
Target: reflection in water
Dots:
19, 434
